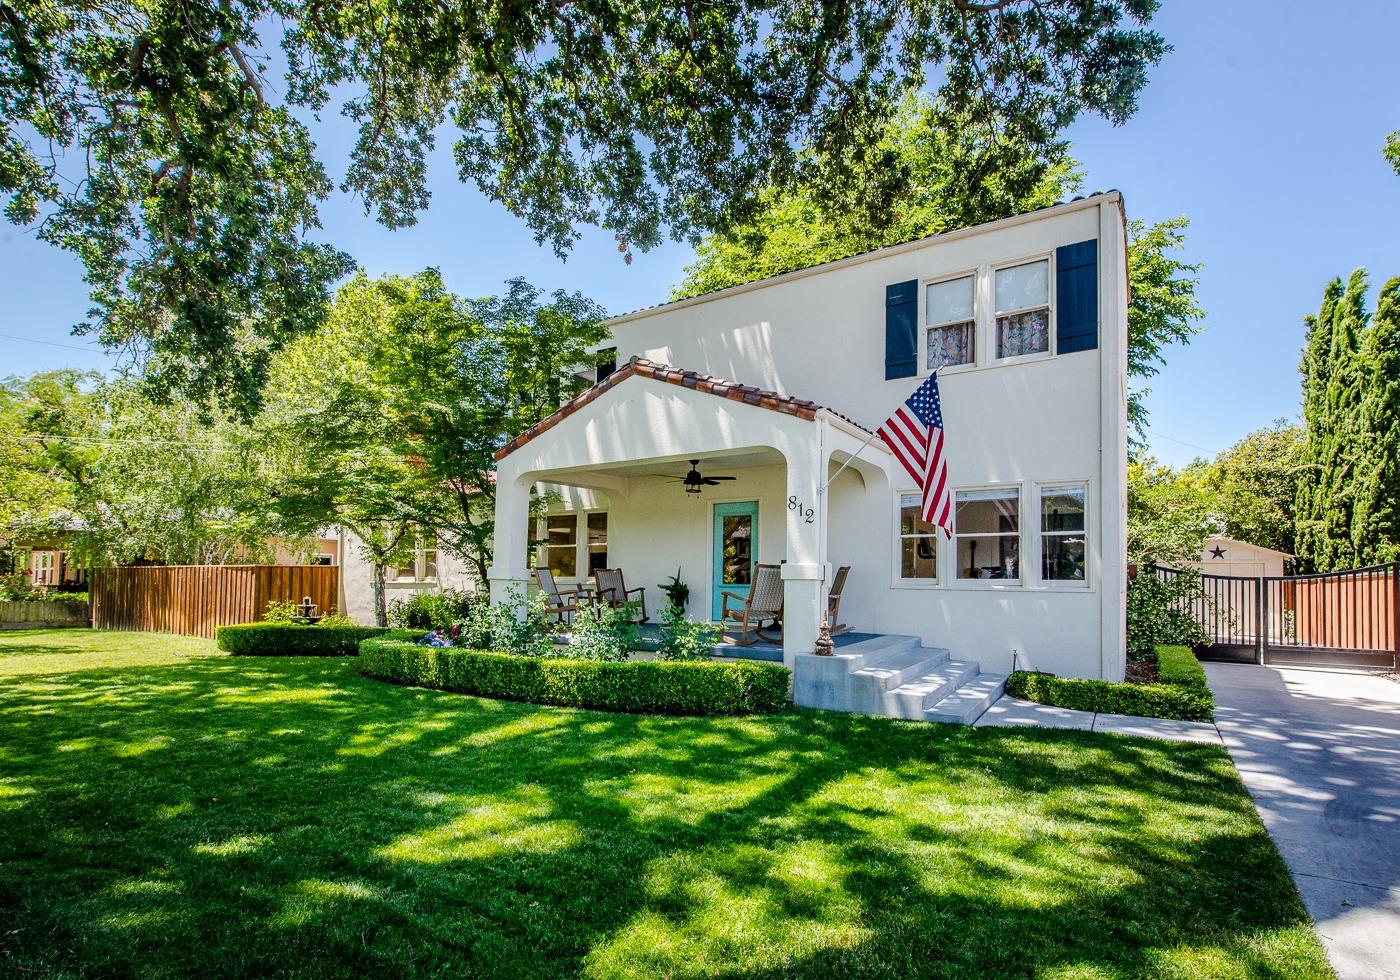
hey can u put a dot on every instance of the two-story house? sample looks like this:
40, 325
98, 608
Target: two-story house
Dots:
778, 383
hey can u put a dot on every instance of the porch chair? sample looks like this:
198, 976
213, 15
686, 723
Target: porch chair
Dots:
763, 603
610, 588
833, 602
559, 602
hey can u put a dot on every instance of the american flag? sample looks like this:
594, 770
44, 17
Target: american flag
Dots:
914, 434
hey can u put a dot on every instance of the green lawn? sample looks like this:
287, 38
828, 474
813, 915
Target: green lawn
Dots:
214, 815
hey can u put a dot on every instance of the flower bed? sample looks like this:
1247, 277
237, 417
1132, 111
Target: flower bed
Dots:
685, 687
293, 640
1180, 693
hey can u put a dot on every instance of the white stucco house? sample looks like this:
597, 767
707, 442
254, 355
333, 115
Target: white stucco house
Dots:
778, 383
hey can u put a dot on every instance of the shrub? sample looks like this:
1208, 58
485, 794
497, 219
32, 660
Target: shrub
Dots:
497, 627
1178, 665
1147, 700
683, 638
280, 612
601, 632
431, 610
293, 640
1159, 612
657, 687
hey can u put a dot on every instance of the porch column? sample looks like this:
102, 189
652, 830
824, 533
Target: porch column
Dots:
511, 539
804, 574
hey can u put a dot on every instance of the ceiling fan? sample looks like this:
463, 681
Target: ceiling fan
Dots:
694, 481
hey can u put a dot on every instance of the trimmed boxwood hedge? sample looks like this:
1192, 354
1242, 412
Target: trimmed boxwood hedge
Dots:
1188, 699
1178, 665
293, 640
678, 687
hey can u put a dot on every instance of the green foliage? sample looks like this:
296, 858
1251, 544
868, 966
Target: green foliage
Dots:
160, 482
690, 688
1163, 310
293, 640
914, 183
1144, 700
520, 625
683, 638
431, 610
600, 632
396, 407
200, 184
1345, 504
1159, 612
1170, 514
335, 621
1253, 485
281, 612
1178, 665
676, 591
1392, 150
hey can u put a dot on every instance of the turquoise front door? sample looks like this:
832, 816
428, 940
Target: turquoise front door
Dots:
735, 550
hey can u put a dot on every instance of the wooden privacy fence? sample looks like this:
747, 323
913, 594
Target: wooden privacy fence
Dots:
193, 599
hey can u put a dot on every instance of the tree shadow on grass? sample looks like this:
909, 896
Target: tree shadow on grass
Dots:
288, 816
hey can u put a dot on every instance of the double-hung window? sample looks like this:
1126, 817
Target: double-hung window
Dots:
1063, 533
988, 532
566, 551
418, 562
918, 542
1023, 309
949, 323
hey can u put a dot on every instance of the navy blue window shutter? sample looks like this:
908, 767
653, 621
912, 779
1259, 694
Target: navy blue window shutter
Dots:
1077, 297
902, 330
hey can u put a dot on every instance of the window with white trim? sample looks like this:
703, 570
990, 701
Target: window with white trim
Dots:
1063, 533
949, 325
570, 554
417, 564
1023, 309
987, 529
918, 542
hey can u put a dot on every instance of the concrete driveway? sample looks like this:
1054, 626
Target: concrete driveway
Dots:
1320, 753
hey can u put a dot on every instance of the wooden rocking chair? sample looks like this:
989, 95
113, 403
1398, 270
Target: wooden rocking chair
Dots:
749, 613
833, 602
559, 602
610, 588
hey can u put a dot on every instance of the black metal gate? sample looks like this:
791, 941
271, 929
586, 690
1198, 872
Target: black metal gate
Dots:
1348, 618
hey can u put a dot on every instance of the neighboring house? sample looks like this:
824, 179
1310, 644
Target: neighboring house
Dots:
430, 570
47, 562
1228, 556
778, 383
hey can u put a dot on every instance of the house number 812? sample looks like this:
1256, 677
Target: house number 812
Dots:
807, 514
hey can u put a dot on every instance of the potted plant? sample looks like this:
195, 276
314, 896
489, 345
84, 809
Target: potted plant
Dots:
676, 591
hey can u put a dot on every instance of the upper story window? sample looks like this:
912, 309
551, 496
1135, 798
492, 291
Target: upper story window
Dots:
918, 542
1063, 534
988, 533
1023, 309
949, 322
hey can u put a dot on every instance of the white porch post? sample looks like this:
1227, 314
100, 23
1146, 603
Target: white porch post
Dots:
804, 574
512, 536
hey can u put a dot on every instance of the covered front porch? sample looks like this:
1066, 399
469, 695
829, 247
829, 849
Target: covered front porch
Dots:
612, 466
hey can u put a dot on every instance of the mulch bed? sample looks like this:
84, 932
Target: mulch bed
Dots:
1141, 671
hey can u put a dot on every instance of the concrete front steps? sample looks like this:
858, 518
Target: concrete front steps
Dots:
898, 677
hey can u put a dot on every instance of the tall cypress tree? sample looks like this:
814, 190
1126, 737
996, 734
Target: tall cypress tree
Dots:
1316, 370
1347, 447
1375, 519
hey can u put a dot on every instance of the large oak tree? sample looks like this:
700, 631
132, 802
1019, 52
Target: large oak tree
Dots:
154, 140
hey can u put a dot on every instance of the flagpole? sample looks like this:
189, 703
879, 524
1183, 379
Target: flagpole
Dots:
822, 489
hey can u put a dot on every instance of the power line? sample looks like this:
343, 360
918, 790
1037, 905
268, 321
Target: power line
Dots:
50, 343
1183, 442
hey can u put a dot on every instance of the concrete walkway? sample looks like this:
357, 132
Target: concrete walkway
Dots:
1320, 753
1011, 712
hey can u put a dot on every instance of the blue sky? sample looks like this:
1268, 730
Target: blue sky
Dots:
1264, 126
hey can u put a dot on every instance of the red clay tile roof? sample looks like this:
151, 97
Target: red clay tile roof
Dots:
641, 367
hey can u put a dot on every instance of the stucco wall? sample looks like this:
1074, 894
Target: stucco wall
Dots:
357, 580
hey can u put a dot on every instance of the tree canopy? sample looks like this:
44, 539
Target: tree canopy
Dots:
1392, 150
157, 142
